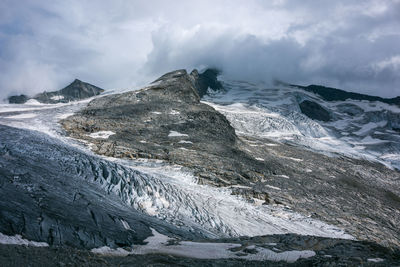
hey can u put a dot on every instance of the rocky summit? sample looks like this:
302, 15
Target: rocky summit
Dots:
77, 90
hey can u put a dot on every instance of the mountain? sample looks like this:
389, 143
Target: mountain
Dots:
77, 90
335, 94
175, 173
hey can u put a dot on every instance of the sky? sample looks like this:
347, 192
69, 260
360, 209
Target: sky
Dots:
121, 44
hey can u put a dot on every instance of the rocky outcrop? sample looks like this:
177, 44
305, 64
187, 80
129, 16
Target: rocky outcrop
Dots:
77, 90
205, 80
18, 99
314, 111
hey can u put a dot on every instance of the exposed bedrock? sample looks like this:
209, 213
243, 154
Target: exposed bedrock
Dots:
314, 111
205, 80
167, 121
18, 99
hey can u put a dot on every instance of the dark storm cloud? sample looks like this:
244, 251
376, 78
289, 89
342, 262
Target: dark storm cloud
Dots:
354, 45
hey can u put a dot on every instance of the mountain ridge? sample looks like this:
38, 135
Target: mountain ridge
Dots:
77, 90
335, 94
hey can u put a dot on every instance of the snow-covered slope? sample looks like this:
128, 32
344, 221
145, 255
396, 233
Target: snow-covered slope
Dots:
361, 129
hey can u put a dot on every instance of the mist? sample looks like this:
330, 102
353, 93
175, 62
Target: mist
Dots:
353, 45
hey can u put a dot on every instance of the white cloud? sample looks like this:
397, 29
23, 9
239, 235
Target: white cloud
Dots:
390, 63
119, 44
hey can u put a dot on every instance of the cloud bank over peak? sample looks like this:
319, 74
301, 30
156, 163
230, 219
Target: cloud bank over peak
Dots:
354, 45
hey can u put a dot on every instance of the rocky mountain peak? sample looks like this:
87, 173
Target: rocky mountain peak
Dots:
205, 80
176, 85
77, 90
191, 87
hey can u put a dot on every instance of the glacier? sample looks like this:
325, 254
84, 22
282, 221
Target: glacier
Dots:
358, 129
169, 192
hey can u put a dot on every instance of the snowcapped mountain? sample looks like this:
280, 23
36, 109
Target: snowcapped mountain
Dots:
207, 169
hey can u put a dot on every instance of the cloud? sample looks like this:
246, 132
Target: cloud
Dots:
351, 44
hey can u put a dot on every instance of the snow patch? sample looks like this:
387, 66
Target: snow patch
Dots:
176, 134
22, 116
57, 97
107, 251
18, 240
174, 112
240, 186
101, 134
158, 243
273, 187
125, 224
283, 176
375, 260
64, 116
33, 102
185, 142
270, 144
294, 159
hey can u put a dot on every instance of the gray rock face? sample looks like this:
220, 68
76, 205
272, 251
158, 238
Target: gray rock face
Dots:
77, 90
205, 80
167, 121
314, 111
